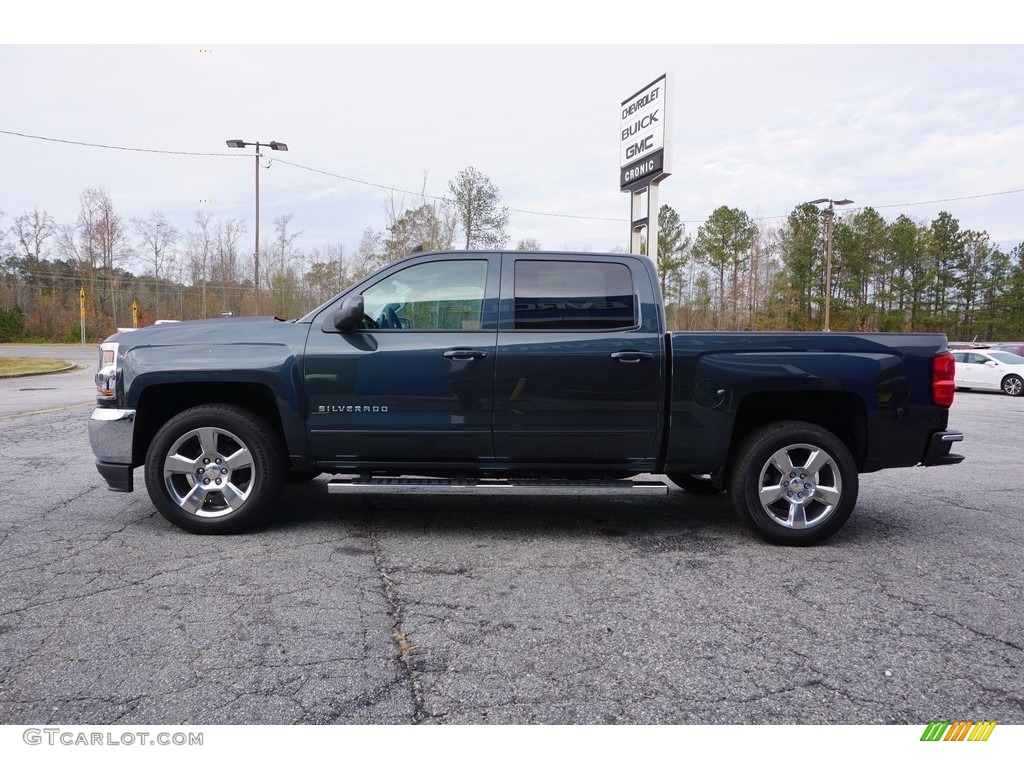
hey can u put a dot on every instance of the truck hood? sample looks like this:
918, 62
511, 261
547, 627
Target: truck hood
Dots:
222, 330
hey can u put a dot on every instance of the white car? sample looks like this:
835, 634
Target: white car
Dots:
989, 369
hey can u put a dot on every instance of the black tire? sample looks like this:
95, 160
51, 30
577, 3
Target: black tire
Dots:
775, 457
701, 485
1012, 385
214, 443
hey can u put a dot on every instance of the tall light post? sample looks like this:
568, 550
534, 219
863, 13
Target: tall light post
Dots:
276, 145
828, 251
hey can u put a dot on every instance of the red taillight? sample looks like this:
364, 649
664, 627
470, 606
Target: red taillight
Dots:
943, 386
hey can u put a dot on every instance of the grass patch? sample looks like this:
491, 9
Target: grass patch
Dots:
404, 645
25, 366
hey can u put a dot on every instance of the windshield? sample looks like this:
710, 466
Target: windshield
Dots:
1007, 357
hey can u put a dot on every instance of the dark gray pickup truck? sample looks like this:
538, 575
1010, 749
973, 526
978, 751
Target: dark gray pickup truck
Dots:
495, 373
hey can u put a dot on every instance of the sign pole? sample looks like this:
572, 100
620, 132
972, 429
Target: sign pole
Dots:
644, 159
644, 222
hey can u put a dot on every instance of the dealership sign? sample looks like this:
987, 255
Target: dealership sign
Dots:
643, 129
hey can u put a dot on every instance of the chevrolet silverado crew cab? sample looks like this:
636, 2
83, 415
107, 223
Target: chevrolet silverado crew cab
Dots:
489, 373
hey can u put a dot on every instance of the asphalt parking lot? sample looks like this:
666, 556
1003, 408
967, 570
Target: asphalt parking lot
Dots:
419, 609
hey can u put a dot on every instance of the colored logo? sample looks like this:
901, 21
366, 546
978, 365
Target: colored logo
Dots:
958, 730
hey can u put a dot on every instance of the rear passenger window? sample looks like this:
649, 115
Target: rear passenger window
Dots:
573, 295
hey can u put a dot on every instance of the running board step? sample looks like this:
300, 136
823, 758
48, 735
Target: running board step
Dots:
486, 487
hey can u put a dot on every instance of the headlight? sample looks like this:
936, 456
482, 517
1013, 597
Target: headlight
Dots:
106, 377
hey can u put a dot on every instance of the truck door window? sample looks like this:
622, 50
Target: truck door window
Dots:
573, 295
435, 296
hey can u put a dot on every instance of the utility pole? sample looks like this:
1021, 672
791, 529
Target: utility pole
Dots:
276, 145
828, 252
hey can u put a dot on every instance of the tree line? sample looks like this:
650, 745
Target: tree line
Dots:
206, 270
903, 275
733, 273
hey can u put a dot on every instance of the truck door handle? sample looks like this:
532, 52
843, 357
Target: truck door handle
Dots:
465, 354
631, 356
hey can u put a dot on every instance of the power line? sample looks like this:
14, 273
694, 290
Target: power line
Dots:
619, 220
124, 149
295, 165
952, 199
444, 199
438, 197
891, 205
354, 180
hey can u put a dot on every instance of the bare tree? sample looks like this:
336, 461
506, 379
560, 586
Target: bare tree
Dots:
200, 249
157, 237
477, 203
87, 225
8, 269
227, 234
369, 255
32, 230
283, 239
103, 246
327, 273
430, 225
286, 266
224, 266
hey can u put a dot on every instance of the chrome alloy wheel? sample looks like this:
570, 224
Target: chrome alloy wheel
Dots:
209, 472
800, 486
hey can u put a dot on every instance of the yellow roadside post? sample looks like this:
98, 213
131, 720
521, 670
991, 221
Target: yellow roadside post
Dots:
81, 306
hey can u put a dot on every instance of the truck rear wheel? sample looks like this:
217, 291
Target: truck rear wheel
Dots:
214, 469
794, 483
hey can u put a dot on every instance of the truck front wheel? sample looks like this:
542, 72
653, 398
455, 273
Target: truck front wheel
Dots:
214, 469
794, 483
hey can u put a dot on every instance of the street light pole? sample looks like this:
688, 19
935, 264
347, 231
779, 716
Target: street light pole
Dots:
828, 252
275, 145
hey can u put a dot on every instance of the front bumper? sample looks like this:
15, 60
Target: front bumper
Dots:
939, 446
111, 431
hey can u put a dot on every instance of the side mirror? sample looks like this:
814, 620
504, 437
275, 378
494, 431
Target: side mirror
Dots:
349, 316
991, 363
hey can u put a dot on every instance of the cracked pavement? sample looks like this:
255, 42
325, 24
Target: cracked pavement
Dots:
525, 610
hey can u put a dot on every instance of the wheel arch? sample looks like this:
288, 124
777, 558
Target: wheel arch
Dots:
841, 413
160, 402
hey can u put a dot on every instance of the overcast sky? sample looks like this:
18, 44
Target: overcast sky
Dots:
907, 129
